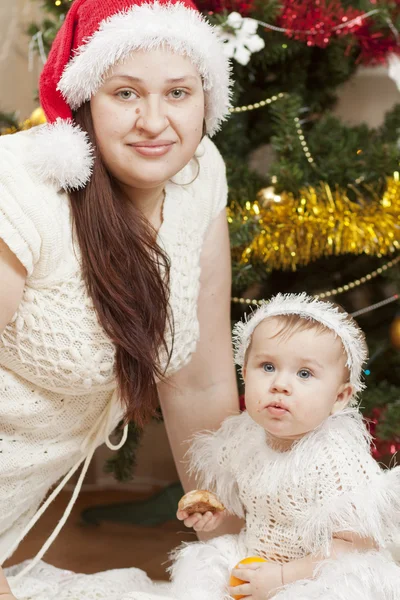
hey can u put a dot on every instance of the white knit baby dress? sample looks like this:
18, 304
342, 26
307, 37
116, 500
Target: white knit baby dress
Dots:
294, 502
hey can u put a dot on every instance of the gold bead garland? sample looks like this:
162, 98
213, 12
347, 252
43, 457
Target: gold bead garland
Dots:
336, 291
260, 104
303, 142
358, 282
299, 130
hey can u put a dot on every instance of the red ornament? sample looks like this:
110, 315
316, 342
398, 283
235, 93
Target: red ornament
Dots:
317, 21
380, 448
219, 6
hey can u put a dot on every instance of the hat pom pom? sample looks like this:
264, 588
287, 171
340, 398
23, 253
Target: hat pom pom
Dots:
63, 154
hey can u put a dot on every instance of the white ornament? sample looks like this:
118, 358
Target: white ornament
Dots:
394, 68
243, 41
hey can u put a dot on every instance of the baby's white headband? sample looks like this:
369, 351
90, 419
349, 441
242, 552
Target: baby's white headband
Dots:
307, 307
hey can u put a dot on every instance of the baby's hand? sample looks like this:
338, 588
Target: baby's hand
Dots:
202, 522
264, 580
201, 510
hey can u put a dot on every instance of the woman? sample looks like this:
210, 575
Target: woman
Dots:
114, 256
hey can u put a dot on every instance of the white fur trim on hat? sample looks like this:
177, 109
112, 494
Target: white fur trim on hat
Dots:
308, 308
146, 27
63, 154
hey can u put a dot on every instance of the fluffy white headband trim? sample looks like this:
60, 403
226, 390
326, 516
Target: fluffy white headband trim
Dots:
147, 27
308, 308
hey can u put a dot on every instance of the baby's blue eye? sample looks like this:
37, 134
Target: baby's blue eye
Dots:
304, 374
268, 367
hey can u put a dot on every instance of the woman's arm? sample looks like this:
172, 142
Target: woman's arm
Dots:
204, 392
12, 281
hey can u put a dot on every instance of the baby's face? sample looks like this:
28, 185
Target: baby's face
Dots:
294, 382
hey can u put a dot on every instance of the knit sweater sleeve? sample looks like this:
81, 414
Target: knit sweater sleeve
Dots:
19, 215
211, 461
352, 493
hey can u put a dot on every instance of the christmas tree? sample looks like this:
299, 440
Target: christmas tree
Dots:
321, 214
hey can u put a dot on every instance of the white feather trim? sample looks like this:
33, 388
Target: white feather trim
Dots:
352, 576
372, 510
62, 154
207, 461
393, 547
201, 570
241, 442
306, 307
146, 27
328, 482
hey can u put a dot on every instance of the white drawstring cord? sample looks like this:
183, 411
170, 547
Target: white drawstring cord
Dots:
41, 510
100, 431
121, 443
61, 524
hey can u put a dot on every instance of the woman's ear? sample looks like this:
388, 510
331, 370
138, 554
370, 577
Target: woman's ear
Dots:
343, 397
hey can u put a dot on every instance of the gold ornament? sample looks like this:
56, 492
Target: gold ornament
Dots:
394, 333
319, 222
37, 118
268, 195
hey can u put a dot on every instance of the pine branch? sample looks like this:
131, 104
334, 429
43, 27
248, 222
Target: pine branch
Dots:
123, 463
8, 120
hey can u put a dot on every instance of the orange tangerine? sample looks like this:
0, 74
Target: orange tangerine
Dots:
234, 581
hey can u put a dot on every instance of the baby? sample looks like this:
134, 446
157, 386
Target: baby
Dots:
297, 466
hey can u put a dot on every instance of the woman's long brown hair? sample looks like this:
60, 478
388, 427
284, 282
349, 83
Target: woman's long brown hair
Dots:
127, 277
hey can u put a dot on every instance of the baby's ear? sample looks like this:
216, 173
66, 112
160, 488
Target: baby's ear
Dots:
343, 397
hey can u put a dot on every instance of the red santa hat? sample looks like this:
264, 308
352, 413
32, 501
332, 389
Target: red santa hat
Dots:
96, 35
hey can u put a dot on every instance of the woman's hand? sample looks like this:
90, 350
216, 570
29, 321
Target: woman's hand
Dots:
5, 592
202, 522
264, 580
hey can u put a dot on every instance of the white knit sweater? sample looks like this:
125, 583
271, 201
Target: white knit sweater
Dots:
295, 501
56, 363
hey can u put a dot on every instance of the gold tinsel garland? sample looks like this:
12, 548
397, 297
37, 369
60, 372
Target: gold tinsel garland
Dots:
293, 231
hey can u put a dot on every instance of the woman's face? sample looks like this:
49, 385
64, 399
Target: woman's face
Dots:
148, 117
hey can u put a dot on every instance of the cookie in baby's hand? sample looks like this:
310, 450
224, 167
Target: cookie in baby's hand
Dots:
200, 501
